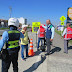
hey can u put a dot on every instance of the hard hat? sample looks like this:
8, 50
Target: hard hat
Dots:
24, 26
13, 21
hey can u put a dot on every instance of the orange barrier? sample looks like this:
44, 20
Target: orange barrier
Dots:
31, 52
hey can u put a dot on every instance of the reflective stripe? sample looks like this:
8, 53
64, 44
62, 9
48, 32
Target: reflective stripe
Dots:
31, 41
13, 46
10, 42
13, 31
31, 44
31, 48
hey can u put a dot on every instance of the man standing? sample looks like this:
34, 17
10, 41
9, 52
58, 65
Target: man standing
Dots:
24, 42
41, 36
67, 34
11, 38
49, 35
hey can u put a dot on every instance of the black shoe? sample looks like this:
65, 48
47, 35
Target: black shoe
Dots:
27, 56
47, 54
24, 59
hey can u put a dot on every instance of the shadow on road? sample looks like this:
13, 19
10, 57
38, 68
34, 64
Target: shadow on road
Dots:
69, 47
56, 49
35, 65
37, 53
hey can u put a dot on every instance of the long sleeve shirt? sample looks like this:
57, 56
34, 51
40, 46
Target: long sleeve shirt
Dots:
52, 30
65, 31
5, 39
38, 32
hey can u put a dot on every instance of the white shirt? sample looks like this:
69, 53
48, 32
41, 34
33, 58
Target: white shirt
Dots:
65, 31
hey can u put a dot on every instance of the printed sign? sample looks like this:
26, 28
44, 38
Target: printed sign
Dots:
62, 18
35, 26
62, 23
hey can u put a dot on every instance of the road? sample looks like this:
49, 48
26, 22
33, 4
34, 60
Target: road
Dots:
58, 61
1, 31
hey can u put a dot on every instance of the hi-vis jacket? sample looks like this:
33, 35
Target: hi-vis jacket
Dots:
41, 32
11, 38
68, 34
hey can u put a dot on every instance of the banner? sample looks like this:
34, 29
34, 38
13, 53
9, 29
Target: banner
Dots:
69, 15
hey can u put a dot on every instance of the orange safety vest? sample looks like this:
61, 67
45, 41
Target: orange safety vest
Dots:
68, 35
42, 32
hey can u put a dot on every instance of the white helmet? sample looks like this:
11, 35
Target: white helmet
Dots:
13, 21
24, 26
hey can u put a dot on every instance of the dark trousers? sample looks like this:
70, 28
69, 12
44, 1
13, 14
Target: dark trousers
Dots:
66, 46
42, 42
6, 64
48, 42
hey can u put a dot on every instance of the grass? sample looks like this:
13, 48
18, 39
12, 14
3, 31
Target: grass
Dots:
59, 32
3, 28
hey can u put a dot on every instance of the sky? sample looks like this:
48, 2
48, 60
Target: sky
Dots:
35, 10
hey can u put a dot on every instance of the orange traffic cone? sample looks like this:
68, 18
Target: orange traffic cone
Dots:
31, 53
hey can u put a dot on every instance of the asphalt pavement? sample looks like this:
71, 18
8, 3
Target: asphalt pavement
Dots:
58, 61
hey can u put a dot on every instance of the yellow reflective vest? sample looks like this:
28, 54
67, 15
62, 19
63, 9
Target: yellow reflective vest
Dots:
25, 40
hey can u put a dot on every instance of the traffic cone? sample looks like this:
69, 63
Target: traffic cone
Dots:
31, 53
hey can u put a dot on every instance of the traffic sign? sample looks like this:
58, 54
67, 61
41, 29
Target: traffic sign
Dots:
62, 18
35, 26
62, 23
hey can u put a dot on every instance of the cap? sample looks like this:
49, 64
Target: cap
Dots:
24, 26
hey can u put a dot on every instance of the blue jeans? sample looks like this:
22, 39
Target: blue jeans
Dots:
22, 50
39, 39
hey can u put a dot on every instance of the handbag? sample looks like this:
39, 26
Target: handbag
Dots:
4, 54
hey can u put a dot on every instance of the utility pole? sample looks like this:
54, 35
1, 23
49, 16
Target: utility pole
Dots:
10, 11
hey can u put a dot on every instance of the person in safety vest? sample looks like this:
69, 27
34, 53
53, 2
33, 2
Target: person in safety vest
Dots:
67, 34
49, 35
41, 35
24, 42
11, 38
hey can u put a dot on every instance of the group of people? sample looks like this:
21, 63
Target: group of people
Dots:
14, 35
48, 33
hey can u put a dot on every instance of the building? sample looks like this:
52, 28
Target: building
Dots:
3, 23
22, 21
